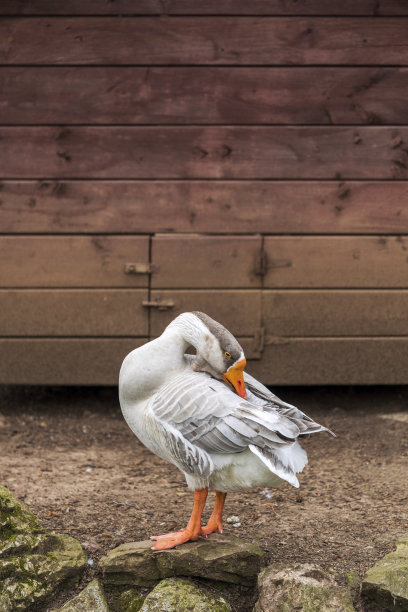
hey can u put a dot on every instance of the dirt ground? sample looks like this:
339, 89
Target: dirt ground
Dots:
69, 455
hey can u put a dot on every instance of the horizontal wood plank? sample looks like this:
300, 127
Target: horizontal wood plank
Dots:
68, 361
203, 95
209, 7
72, 261
204, 152
209, 41
73, 312
335, 313
205, 262
238, 311
296, 361
65, 361
333, 361
349, 262
221, 207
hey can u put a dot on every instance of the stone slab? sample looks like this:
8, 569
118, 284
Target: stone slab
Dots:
218, 557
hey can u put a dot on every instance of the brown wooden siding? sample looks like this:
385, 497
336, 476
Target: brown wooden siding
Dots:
247, 159
209, 7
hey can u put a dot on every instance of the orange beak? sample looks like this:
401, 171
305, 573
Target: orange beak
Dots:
235, 377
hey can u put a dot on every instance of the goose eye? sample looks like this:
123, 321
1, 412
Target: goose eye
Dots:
227, 354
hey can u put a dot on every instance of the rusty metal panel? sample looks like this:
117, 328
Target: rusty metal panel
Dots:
205, 262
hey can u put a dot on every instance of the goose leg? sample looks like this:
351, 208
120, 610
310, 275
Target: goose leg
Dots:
191, 532
215, 521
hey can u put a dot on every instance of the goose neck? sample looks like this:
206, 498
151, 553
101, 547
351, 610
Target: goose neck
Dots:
190, 331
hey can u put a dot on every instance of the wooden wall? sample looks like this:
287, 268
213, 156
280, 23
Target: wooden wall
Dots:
247, 159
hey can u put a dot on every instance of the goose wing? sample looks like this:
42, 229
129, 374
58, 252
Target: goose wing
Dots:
269, 402
201, 415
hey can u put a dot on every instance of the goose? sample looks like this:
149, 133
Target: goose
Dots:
220, 426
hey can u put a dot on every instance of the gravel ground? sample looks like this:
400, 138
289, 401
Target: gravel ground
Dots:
68, 454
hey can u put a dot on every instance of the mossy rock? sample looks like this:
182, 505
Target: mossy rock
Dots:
128, 601
91, 598
14, 516
218, 557
34, 565
178, 595
387, 581
304, 588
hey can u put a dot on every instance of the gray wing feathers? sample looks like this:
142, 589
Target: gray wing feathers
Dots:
186, 456
262, 396
210, 416
201, 415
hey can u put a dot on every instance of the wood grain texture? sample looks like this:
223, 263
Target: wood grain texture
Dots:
68, 361
238, 311
296, 361
65, 361
204, 152
349, 262
209, 7
72, 261
209, 41
221, 207
72, 312
205, 262
333, 361
203, 95
335, 313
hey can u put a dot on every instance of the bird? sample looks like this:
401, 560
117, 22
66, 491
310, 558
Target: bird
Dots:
220, 426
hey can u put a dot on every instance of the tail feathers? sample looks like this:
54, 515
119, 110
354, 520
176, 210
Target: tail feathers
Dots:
284, 462
275, 466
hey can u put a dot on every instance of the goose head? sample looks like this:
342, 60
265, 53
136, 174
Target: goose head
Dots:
217, 350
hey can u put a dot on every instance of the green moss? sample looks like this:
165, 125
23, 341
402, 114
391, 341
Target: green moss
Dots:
14, 516
33, 565
181, 595
353, 579
220, 586
128, 601
91, 598
306, 588
387, 581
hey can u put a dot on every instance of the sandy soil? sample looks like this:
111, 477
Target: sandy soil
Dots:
68, 454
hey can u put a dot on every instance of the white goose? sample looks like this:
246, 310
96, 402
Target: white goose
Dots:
197, 413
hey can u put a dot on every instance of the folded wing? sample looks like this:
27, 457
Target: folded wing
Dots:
211, 418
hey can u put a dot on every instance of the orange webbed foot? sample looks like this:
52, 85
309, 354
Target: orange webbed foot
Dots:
170, 540
211, 527
166, 535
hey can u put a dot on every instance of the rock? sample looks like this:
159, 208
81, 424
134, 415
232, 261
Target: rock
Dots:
128, 601
305, 588
218, 557
176, 595
34, 565
91, 598
14, 517
387, 581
